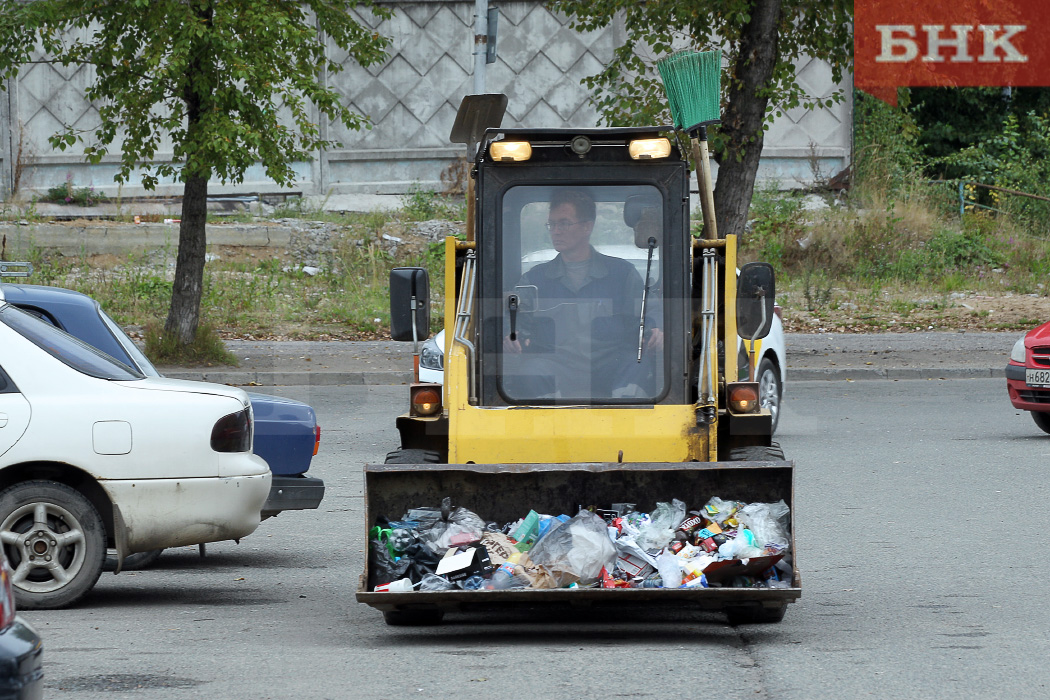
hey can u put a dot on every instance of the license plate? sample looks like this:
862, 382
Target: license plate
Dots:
1037, 377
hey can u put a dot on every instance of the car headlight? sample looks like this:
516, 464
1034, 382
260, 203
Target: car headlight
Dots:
431, 356
1017, 354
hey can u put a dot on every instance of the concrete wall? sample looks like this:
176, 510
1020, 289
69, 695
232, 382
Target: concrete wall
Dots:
412, 98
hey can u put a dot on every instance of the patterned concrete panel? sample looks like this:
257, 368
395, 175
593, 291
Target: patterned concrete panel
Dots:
412, 98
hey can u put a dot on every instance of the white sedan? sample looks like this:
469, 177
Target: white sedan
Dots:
95, 455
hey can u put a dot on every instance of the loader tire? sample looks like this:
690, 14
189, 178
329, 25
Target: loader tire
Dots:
413, 618
403, 456
755, 615
757, 453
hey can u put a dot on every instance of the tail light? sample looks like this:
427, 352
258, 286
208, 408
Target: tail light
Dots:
778, 311
7, 597
233, 433
317, 438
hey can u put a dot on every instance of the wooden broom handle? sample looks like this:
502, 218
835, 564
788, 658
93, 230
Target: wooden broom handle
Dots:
701, 157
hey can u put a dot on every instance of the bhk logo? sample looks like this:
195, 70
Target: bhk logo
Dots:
901, 43
951, 43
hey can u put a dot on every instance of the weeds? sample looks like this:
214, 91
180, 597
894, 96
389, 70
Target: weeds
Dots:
425, 205
207, 347
67, 193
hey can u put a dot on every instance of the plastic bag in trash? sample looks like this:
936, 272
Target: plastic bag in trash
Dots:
769, 523
446, 527
670, 569
385, 568
718, 511
433, 582
743, 546
575, 552
419, 560
659, 531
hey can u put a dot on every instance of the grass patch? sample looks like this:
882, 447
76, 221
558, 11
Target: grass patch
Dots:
342, 295
206, 349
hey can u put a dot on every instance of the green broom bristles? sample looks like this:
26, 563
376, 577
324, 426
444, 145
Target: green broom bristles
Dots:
692, 82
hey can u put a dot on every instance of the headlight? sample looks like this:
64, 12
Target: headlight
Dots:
431, 356
1017, 354
510, 150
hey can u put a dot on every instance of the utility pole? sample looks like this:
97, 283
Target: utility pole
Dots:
481, 37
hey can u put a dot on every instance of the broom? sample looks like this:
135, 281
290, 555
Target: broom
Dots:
691, 81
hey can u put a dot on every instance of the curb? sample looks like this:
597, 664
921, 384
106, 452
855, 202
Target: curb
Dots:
894, 373
296, 378
389, 378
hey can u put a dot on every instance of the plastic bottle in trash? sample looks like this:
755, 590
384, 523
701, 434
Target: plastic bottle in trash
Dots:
474, 583
504, 576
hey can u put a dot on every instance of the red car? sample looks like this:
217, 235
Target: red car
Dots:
1028, 375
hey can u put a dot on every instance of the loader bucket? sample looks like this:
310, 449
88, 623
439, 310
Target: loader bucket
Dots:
506, 492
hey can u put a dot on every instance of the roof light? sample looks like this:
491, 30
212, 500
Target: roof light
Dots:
515, 151
645, 149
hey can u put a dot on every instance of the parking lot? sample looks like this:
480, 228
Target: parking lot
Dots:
911, 540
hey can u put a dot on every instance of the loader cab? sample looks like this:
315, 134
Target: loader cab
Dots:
583, 269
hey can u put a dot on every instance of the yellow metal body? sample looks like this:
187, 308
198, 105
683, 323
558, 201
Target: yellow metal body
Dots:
567, 434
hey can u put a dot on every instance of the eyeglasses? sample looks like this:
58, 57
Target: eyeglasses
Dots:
562, 225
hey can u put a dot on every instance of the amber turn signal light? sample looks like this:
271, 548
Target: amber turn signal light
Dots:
743, 398
426, 400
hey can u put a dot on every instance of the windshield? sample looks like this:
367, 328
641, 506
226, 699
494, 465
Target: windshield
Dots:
65, 348
583, 299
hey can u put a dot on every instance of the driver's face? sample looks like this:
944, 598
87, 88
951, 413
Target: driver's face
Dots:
569, 235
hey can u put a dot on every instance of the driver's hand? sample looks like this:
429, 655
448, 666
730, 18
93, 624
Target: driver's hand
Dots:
656, 339
512, 346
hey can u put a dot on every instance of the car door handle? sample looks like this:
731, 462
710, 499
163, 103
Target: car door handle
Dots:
3, 419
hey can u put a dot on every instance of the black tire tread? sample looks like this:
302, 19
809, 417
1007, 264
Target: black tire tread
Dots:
755, 615
133, 562
757, 453
1042, 420
413, 456
413, 618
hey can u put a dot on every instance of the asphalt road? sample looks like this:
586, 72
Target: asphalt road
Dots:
920, 513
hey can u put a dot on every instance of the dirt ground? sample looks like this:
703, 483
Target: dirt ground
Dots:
852, 311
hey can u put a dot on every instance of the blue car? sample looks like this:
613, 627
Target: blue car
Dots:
286, 431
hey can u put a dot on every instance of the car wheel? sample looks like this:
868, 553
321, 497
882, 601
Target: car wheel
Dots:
769, 390
55, 542
1042, 420
132, 562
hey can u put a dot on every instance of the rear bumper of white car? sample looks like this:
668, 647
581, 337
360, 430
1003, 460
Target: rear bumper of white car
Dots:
160, 513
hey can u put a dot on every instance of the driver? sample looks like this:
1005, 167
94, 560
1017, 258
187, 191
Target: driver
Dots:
581, 341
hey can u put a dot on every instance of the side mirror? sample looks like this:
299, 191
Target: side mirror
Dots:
409, 304
755, 297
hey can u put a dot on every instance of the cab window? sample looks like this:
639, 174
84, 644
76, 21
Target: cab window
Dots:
582, 295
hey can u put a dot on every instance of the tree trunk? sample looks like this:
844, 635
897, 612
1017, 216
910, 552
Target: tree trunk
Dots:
186, 292
742, 121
